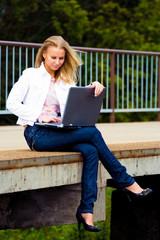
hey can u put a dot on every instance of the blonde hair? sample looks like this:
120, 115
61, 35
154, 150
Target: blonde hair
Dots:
69, 70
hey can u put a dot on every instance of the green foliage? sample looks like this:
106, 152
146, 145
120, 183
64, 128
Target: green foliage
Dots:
135, 116
68, 18
24, 20
112, 24
146, 21
104, 23
67, 232
128, 28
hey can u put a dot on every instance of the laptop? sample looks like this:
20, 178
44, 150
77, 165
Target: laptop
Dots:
81, 110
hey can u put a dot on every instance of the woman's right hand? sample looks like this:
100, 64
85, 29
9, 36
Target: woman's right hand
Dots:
47, 119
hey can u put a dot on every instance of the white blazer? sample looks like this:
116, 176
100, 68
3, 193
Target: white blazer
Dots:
29, 93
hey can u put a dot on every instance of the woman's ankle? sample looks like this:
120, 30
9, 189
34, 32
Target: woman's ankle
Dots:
88, 217
135, 188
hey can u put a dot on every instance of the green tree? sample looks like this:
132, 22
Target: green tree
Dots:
132, 28
70, 21
111, 26
129, 4
34, 21
146, 21
23, 20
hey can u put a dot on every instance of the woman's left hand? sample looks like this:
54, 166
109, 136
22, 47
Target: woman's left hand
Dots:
98, 88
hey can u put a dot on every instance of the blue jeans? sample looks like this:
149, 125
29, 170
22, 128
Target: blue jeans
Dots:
88, 141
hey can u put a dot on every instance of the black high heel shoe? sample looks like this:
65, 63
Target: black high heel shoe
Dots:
145, 193
87, 227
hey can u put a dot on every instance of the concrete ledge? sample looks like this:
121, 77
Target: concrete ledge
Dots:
18, 158
22, 169
22, 158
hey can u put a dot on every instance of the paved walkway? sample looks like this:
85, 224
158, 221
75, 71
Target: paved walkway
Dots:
11, 137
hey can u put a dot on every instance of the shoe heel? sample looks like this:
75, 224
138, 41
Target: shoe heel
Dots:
79, 221
129, 198
79, 226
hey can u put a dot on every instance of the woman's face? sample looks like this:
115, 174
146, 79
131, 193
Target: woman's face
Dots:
54, 58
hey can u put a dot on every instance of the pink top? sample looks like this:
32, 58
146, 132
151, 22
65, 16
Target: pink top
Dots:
51, 105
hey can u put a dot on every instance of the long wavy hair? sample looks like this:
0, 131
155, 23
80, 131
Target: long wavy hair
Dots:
69, 70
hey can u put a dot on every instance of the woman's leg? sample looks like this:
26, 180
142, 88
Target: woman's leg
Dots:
54, 140
43, 139
89, 181
89, 176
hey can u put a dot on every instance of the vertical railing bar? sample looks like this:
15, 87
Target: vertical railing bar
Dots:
127, 80
117, 81
96, 66
26, 57
13, 66
20, 59
107, 82
142, 88
151, 81
0, 76
132, 81
33, 57
112, 115
122, 81
85, 68
146, 102
102, 55
156, 82
102, 68
6, 95
80, 71
137, 79
159, 88
91, 63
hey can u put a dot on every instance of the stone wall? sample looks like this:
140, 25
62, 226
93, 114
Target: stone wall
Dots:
45, 207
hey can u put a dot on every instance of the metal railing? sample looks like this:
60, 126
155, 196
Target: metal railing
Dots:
131, 78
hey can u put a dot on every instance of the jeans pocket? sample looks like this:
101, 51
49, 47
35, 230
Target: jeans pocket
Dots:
29, 133
28, 136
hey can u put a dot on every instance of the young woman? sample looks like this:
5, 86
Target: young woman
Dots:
40, 95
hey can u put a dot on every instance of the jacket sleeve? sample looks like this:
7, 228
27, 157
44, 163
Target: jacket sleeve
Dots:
16, 98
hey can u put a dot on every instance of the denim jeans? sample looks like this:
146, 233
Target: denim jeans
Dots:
89, 141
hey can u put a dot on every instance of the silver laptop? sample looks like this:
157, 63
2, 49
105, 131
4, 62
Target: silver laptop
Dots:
81, 110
